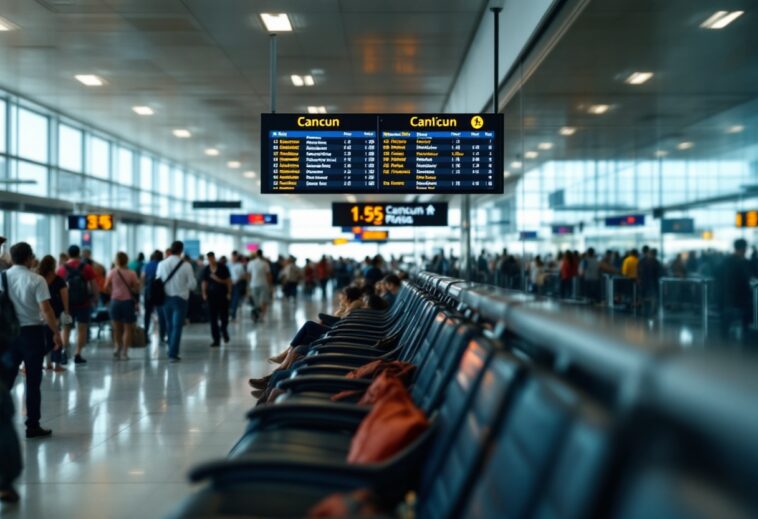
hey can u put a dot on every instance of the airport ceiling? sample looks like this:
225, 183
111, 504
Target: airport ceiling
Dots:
703, 90
203, 65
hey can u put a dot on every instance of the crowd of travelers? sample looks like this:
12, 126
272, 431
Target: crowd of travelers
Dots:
47, 305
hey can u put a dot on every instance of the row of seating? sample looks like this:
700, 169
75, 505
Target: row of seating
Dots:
536, 410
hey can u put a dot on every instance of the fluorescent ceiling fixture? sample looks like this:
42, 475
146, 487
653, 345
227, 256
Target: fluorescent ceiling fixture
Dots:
249, 174
721, 19
89, 79
545, 145
143, 110
661, 153
309, 80
211, 152
737, 128
506, 174
686, 145
351, 199
637, 78
516, 164
598, 109
279, 22
297, 80
234, 164
182, 133
567, 131
316, 109
5, 25
531, 155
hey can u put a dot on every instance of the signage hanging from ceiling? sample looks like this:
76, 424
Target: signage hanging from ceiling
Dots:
217, 204
677, 226
389, 214
382, 153
630, 220
563, 230
253, 219
747, 219
91, 222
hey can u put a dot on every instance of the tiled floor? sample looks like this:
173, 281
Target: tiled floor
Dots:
125, 433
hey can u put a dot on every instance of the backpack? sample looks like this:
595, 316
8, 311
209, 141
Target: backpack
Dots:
78, 292
158, 287
10, 328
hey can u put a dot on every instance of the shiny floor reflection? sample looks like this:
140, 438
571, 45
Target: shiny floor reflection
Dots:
125, 433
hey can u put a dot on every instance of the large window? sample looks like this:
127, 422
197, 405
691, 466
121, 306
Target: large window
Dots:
125, 174
3, 119
69, 148
31, 138
99, 157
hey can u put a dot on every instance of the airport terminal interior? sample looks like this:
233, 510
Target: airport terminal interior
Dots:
431, 259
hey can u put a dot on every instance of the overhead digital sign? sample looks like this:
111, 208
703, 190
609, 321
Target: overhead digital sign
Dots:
561, 230
389, 214
677, 226
216, 204
630, 220
253, 219
382, 153
372, 235
91, 222
747, 219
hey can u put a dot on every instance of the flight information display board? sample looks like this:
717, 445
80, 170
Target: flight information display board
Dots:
382, 153
91, 222
389, 214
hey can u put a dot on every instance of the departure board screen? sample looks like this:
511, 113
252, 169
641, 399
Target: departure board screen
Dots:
390, 153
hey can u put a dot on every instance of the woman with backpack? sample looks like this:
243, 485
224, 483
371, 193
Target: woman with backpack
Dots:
59, 302
124, 288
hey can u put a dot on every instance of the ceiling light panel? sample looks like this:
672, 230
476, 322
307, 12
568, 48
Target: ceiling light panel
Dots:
212, 152
143, 110
90, 80
297, 80
6, 26
249, 174
686, 145
721, 19
276, 22
598, 109
234, 164
308, 79
531, 155
545, 146
638, 78
182, 133
737, 128
567, 131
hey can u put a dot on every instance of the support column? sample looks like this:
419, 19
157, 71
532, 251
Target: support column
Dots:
466, 263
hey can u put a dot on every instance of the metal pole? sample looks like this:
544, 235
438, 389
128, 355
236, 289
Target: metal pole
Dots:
705, 307
496, 65
273, 72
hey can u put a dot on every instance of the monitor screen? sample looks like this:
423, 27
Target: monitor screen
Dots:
382, 153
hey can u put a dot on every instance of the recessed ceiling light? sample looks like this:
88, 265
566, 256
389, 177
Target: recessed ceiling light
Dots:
637, 78
143, 110
249, 174
211, 152
721, 19
506, 174
297, 80
279, 22
545, 145
567, 131
182, 133
308, 79
234, 164
737, 128
351, 198
598, 109
686, 145
516, 164
90, 79
5, 25
661, 153
316, 109
531, 155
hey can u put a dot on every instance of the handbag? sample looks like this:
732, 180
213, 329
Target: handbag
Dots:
139, 338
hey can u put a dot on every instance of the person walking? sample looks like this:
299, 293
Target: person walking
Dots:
30, 297
259, 272
83, 294
178, 279
735, 297
217, 292
123, 286
148, 276
239, 283
323, 274
59, 301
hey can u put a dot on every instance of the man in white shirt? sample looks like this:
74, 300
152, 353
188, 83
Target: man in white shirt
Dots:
31, 300
260, 285
179, 279
239, 283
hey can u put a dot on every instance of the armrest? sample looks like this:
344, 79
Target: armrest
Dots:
320, 415
346, 338
267, 468
329, 383
327, 369
333, 359
348, 349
